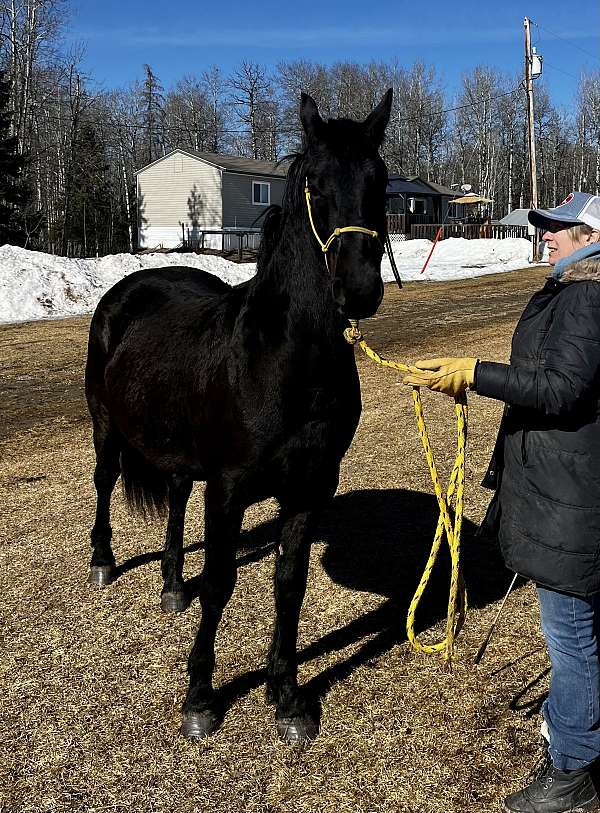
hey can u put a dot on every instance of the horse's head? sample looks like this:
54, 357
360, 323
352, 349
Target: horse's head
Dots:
346, 179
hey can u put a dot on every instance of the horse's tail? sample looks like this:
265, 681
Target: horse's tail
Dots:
145, 488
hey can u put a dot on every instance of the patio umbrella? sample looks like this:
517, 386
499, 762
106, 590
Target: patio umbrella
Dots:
471, 198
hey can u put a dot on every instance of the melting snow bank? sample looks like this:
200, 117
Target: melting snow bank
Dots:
457, 258
34, 285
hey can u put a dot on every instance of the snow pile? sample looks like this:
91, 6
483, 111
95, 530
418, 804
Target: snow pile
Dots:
457, 258
34, 285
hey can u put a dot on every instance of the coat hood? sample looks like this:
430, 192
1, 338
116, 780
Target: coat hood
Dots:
581, 266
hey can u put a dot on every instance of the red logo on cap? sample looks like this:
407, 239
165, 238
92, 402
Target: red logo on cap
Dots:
568, 199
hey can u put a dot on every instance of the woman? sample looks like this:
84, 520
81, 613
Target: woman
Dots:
546, 474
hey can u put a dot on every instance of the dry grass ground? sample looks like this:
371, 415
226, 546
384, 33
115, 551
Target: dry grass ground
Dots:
91, 682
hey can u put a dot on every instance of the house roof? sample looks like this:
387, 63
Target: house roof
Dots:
247, 166
440, 189
399, 185
518, 217
230, 163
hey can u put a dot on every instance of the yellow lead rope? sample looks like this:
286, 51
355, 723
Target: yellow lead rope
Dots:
457, 600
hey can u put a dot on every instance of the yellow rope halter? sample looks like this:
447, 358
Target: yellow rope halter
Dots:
325, 246
457, 599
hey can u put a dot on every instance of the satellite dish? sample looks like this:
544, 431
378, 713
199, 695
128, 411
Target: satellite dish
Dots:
466, 187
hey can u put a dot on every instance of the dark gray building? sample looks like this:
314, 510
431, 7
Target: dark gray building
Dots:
412, 201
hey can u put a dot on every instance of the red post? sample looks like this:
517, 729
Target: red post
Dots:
437, 237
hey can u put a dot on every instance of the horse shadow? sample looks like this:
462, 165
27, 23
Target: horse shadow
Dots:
256, 543
378, 541
374, 541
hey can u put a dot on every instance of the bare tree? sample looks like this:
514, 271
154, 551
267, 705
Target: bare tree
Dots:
587, 117
31, 31
214, 88
253, 98
294, 78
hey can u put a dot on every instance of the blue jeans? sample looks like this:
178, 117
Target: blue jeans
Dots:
571, 627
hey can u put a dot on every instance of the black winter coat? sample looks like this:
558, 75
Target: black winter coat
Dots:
546, 464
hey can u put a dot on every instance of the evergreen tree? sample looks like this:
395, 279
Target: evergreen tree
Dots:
94, 218
152, 100
15, 194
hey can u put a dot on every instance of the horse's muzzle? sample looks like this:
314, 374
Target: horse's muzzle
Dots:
358, 301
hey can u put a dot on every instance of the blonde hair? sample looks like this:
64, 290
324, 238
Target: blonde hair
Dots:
578, 232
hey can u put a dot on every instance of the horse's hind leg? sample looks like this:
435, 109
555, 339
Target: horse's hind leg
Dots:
173, 597
295, 722
106, 474
223, 519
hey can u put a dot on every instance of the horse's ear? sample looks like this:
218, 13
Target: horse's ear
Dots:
377, 121
310, 117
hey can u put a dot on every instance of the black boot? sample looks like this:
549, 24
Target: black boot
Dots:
555, 792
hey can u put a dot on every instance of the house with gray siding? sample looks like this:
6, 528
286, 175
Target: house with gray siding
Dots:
185, 193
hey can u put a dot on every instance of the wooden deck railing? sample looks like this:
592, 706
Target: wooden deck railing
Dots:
470, 231
396, 224
402, 224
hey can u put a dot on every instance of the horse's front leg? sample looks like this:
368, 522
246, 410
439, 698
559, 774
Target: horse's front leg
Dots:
173, 597
295, 721
222, 520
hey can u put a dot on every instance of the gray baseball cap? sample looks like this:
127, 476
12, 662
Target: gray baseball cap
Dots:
577, 207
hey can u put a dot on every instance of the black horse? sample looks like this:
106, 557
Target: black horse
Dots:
251, 388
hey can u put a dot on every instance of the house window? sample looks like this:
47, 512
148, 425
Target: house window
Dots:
261, 193
395, 206
417, 206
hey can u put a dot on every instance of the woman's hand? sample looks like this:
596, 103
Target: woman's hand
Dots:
452, 376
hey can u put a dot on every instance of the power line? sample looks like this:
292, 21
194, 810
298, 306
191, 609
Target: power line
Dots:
569, 42
204, 129
475, 104
560, 70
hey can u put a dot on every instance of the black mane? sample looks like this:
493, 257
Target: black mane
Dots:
275, 217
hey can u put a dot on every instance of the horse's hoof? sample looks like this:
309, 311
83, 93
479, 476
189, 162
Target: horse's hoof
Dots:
101, 575
174, 602
197, 725
297, 730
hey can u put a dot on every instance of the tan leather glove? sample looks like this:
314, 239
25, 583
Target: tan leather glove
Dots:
452, 376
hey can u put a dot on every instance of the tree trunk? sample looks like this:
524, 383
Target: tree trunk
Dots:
127, 201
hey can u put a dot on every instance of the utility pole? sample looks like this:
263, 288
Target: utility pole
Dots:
529, 76
530, 119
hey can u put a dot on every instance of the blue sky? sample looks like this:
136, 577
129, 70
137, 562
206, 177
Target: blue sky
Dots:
185, 38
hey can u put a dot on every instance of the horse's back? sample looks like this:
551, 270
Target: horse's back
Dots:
158, 337
144, 294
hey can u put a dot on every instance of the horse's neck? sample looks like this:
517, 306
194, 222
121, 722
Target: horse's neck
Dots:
297, 270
